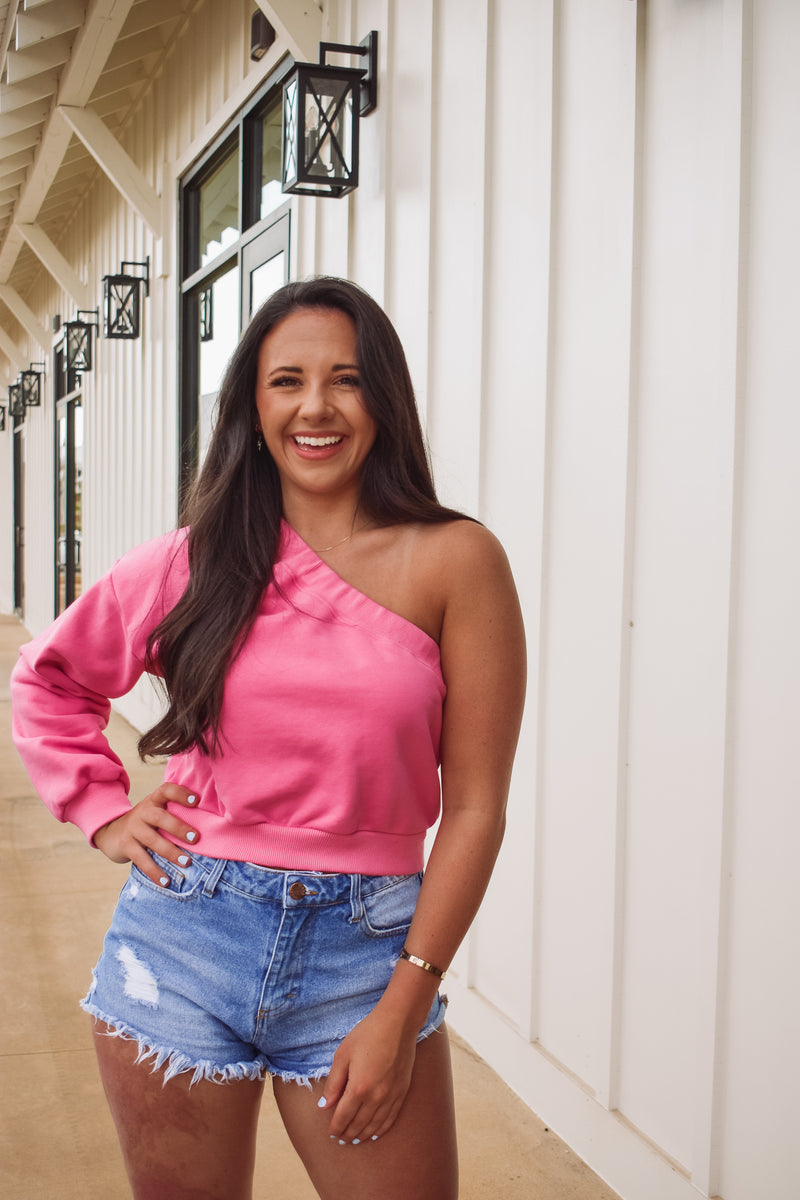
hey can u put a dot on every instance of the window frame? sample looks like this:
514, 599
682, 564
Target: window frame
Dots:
244, 131
65, 400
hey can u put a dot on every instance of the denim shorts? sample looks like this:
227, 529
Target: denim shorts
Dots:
237, 971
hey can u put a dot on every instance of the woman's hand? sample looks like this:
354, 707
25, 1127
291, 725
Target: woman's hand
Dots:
129, 837
369, 1079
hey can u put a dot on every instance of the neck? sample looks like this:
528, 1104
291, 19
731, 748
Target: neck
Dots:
325, 527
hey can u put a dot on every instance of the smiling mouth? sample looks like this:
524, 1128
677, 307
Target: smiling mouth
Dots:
317, 441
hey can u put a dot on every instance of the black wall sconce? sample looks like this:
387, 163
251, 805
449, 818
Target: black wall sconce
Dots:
79, 341
321, 110
262, 35
122, 300
16, 405
31, 383
2, 418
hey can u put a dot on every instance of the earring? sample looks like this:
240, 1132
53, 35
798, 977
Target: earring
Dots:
259, 443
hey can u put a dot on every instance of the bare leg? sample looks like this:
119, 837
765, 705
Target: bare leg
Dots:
179, 1143
417, 1157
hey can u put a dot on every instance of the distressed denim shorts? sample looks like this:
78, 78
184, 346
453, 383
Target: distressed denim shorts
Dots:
236, 971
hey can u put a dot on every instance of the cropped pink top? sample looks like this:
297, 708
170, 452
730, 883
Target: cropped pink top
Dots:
330, 728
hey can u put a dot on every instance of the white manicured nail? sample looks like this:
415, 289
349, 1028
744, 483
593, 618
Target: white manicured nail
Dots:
164, 881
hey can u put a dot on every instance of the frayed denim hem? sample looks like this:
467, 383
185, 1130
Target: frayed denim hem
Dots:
432, 1026
323, 1072
303, 1080
175, 1062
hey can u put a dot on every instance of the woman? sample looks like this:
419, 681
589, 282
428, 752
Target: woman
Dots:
327, 634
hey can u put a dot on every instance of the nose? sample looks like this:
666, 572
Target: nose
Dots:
316, 404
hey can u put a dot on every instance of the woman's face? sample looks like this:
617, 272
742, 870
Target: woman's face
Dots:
309, 402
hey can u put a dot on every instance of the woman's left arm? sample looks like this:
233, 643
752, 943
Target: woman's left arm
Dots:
483, 663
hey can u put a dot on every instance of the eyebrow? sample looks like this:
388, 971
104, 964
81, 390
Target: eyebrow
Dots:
335, 367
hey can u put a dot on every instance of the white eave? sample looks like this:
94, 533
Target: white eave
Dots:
72, 74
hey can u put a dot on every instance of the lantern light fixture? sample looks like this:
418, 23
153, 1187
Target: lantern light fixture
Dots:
16, 404
31, 381
321, 109
262, 35
79, 340
122, 299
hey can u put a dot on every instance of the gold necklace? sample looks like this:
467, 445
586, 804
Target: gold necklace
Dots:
352, 533
325, 549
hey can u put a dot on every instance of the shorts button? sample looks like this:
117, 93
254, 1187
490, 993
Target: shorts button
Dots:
297, 890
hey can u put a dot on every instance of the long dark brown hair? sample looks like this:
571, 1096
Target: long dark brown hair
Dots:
234, 509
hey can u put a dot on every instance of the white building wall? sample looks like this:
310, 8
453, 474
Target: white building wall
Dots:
582, 216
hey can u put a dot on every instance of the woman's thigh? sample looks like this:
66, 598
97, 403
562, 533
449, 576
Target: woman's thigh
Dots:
417, 1157
179, 1142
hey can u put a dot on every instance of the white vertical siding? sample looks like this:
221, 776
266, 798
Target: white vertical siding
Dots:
582, 216
456, 295
513, 440
681, 580
585, 532
759, 1047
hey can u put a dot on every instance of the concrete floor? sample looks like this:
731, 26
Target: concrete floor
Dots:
56, 1136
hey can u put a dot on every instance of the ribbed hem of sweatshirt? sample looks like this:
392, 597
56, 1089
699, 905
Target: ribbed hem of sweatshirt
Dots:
95, 807
365, 852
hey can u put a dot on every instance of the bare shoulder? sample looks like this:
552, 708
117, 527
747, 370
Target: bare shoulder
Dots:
461, 554
482, 647
434, 575
463, 574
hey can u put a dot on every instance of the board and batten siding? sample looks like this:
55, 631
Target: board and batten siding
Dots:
582, 217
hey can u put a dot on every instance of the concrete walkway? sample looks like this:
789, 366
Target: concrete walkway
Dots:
57, 1140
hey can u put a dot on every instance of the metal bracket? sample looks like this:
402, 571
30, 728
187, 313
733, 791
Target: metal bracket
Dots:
369, 80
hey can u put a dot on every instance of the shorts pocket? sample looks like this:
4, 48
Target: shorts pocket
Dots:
184, 882
388, 903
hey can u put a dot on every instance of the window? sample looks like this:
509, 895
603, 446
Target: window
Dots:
69, 484
235, 253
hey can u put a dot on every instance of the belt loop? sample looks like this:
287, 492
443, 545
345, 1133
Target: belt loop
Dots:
356, 905
214, 876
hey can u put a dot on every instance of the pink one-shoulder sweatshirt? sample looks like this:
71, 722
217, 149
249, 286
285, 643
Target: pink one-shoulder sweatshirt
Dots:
330, 728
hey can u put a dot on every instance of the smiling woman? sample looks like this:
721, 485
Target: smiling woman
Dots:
314, 420
280, 920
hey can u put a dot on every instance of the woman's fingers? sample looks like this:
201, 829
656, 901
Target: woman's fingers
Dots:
335, 1083
368, 1123
130, 837
149, 867
367, 1084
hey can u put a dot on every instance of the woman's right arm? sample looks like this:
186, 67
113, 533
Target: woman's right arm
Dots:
61, 685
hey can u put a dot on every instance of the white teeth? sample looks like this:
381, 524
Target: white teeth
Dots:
316, 441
